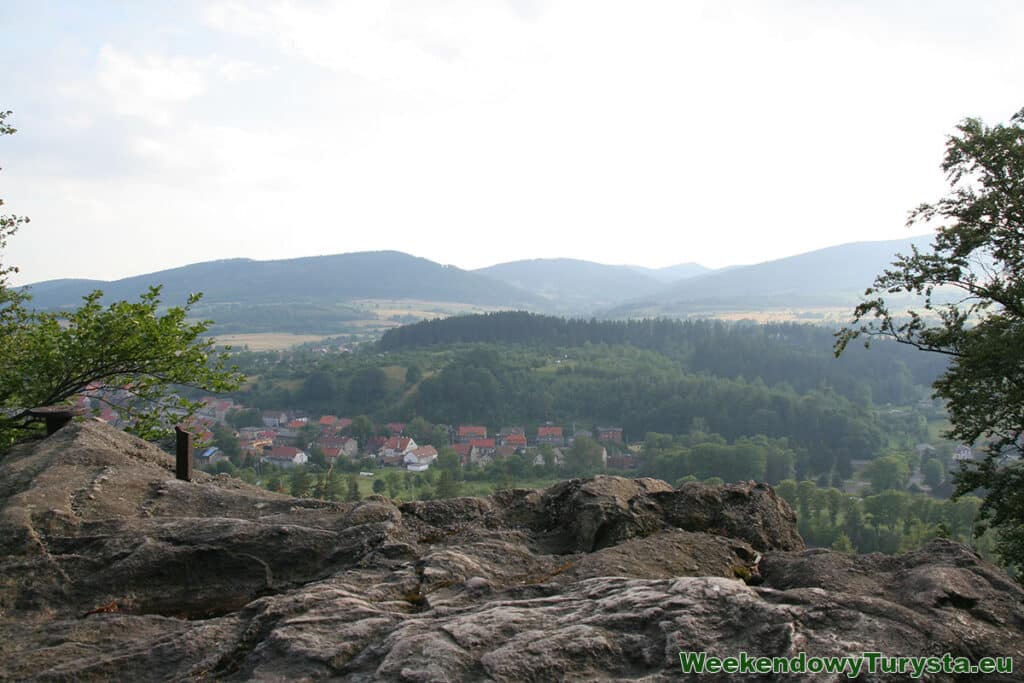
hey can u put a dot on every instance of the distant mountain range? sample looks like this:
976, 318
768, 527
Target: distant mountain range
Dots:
573, 286
271, 295
834, 276
315, 279
680, 271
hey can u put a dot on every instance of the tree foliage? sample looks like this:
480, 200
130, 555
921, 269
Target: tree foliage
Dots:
887, 472
971, 289
11, 300
133, 355
129, 349
584, 456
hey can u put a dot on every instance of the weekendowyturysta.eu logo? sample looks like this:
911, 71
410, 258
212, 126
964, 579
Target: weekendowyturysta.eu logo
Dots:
851, 665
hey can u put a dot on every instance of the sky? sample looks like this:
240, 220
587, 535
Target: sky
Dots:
153, 135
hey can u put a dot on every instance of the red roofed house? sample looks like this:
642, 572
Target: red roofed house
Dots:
481, 450
550, 436
331, 454
396, 428
328, 424
468, 433
420, 458
514, 440
345, 445
285, 456
342, 423
397, 444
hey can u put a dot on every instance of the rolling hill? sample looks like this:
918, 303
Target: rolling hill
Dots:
313, 294
329, 279
326, 294
680, 271
834, 276
574, 286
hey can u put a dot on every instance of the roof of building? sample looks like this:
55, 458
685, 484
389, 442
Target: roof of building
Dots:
288, 452
549, 431
335, 441
397, 443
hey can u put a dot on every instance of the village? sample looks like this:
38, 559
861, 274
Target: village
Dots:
288, 439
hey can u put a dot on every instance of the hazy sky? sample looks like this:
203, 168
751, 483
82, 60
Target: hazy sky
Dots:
156, 134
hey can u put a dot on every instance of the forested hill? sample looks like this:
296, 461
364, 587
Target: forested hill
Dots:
680, 271
571, 285
798, 355
829, 277
326, 279
521, 327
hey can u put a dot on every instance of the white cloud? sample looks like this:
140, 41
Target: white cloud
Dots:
153, 86
410, 47
148, 86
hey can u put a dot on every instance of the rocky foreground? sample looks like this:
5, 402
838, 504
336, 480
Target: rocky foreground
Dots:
110, 569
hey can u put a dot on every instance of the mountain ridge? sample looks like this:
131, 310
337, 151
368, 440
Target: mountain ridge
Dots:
366, 275
331, 289
573, 284
833, 276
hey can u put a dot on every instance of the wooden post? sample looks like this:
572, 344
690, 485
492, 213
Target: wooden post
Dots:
56, 416
183, 465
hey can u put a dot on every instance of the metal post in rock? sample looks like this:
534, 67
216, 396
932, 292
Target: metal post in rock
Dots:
183, 464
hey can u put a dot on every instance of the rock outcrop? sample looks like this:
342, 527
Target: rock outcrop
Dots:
112, 569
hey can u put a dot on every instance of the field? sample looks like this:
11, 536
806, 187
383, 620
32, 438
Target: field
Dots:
267, 341
411, 308
838, 315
